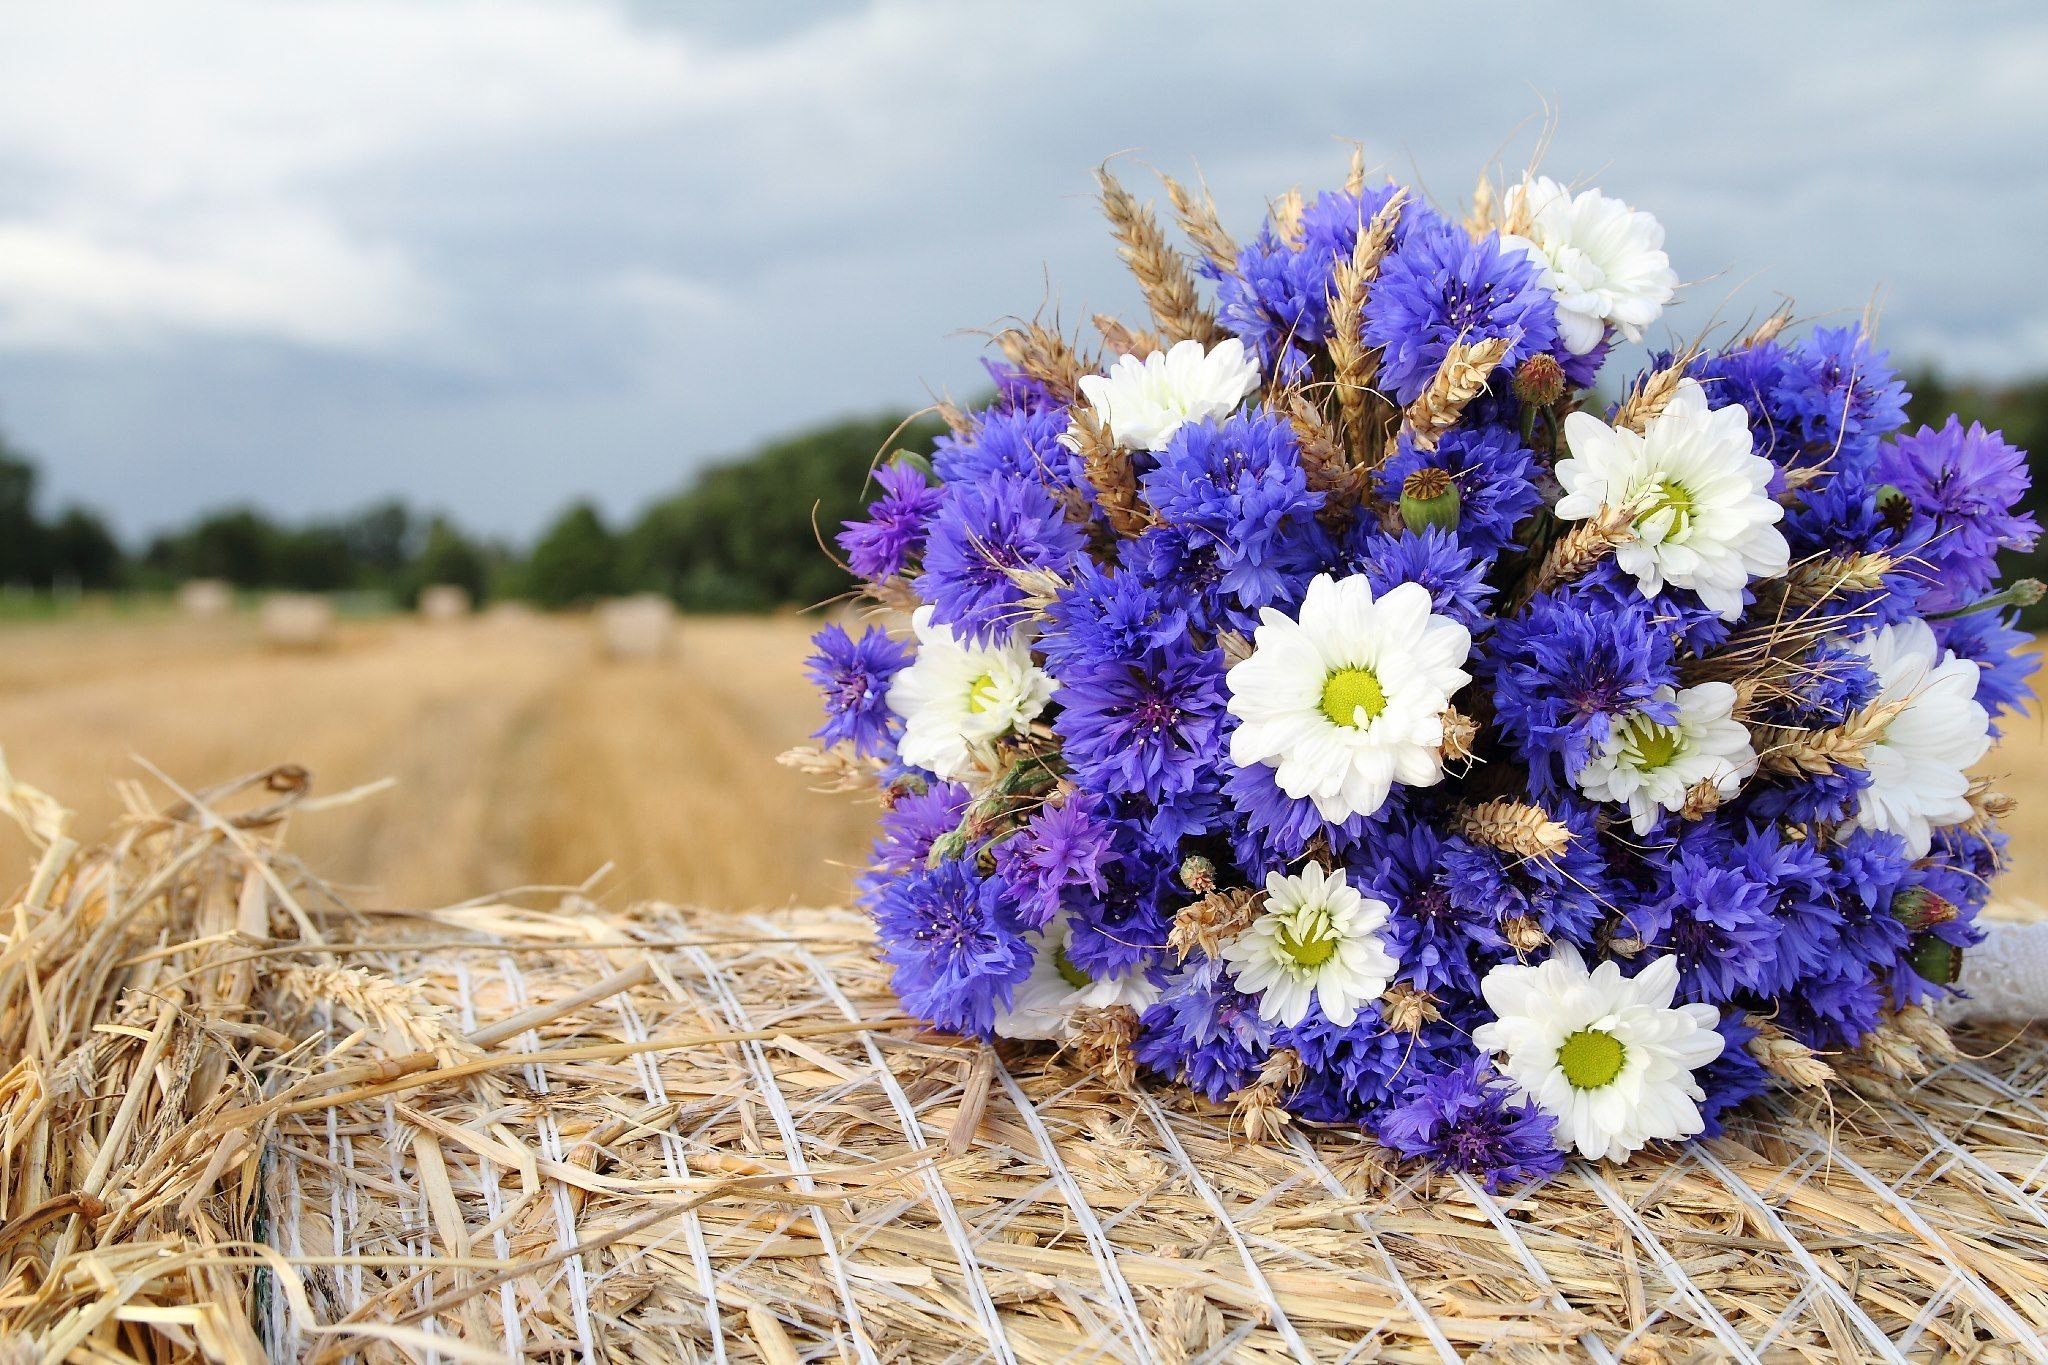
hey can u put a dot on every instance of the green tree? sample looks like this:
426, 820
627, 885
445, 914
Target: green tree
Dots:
576, 561
447, 556
84, 553
746, 535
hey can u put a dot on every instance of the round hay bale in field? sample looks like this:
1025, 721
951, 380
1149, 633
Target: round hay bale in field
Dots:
205, 599
297, 620
442, 603
498, 1131
636, 627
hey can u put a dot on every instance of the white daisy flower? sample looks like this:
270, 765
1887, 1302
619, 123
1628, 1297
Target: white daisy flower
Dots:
1919, 769
1607, 1056
1045, 1002
1603, 262
1703, 517
957, 697
1652, 767
1317, 938
1143, 402
1350, 698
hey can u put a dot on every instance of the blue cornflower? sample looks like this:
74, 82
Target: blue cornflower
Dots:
1354, 1071
854, 676
893, 535
1443, 942
957, 957
1125, 927
1469, 1119
1108, 617
1493, 473
1204, 1031
1438, 560
982, 532
915, 820
1962, 484
1440, 287
1148, 726
1824, 402
1567, 669
1275, 828
1059, 852
1834, 1008
1566, 896
1704, 909
1278, 299
1235, 508
1022, 443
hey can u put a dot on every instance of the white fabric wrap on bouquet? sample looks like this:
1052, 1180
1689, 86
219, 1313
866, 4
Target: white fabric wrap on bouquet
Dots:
2006, 975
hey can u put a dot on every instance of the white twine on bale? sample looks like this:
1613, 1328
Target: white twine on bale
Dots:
948, 1213
2006, 976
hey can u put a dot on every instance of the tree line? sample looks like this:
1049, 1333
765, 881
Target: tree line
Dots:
742, 535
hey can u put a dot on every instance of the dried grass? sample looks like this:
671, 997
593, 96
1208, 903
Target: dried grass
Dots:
244, 1120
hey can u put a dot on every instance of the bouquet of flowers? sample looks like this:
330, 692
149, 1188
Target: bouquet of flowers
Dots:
1329, 701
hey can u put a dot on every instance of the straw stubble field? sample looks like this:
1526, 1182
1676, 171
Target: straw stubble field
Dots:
517, 754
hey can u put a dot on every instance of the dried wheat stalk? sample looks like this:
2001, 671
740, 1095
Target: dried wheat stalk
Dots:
1787, 750
1517, 827
1648, 398
1286, 214
1162, 273
1203, 226
1461, 736
1110, 471
1212, 921
1573, 554
1790, 1060
1356, 365
1047, 357
1323, 460
1816, 580
1458, 380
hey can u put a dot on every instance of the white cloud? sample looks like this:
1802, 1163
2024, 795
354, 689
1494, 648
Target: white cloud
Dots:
183, 160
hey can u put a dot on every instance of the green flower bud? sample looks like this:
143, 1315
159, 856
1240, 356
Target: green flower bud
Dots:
1429, 497
1920, 909
1936, 959
1539, 381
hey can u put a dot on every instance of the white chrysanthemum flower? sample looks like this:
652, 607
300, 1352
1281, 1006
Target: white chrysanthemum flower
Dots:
1317, 938
1918, 770
956, 697
1653, 767
1606, 1055
1603, 262
1143, 402
1045, 1002
1350, 698
1703, 516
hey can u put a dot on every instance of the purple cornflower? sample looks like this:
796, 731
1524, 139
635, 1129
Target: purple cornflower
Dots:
1148, 726
983, 532
1962, 484
956, 958
1568, 669
854, 677
1469, 1119
1204, 1031
1057, 851
893, 535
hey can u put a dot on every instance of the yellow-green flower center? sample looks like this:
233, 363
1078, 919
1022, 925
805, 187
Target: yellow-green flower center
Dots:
982, 694
1591, 1058
1308, 940
1349, 689
1647, 745
1675, 498
1069, 973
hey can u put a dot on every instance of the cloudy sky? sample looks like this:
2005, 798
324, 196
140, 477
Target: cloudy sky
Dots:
491, 256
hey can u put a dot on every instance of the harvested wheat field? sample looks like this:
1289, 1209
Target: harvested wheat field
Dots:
518, 754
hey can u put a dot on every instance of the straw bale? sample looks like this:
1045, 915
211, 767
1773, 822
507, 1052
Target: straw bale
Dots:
636, 627
442, 603
205, 599
297, 620
244, 1119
